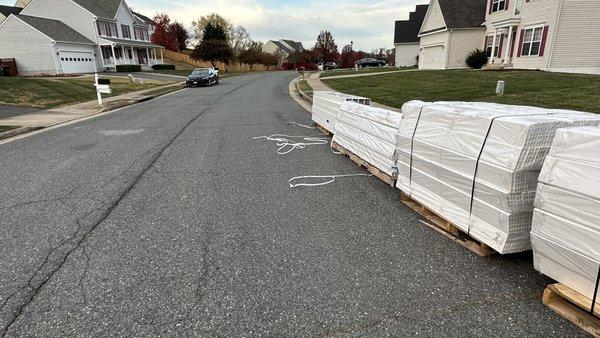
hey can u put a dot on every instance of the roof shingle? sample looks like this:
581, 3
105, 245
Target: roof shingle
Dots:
54, 29
407, 31
8, 10
463, 13
106, 9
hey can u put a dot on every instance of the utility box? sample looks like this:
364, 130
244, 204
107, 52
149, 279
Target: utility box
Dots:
8, 67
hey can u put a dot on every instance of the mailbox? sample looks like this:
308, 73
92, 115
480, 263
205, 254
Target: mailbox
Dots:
103, 81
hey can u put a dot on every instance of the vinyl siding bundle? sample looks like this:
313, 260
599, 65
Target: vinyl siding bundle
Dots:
370, 133
326, 107
565, 233
476, 164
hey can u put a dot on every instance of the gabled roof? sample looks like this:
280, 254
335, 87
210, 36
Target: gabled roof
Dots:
143, 18
463, 13
54, 29
296, 45
8, 10
106, 9
281, 46
407, 31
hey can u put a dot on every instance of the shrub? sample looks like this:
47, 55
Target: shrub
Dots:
129, 68
476, 59
159, 67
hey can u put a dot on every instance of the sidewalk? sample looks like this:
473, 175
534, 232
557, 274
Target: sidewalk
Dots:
317, 85
50, 117
368, 74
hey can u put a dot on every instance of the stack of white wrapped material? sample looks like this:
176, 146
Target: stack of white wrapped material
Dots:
370, 133
565, 233
326, 107
476, 164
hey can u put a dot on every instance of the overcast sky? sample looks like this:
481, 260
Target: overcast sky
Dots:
369, 23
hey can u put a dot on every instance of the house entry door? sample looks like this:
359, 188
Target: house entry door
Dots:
142, 57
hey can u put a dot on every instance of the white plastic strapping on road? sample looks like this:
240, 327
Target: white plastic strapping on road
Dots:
287, 144
330, 179
301, 125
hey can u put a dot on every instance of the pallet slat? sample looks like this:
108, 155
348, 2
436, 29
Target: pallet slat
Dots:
362, 163
573, 306
445, 227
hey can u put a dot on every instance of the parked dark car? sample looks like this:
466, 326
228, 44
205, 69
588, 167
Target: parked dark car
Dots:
202, 77
330, 65
370, 62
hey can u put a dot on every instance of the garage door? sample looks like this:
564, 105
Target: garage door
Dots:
77, 62
432, 57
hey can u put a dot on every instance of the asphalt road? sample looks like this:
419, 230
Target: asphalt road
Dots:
167, 218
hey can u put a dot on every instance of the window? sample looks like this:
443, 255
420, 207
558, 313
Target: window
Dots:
518, 7
107, 28
498, 5
489, 42
532, 40
140, 33
126, 31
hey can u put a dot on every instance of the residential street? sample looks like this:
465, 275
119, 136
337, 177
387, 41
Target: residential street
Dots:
167, 218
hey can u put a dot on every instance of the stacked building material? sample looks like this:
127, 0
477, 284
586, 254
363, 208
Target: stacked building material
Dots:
370, 133
326, 107
476, 164
565, 233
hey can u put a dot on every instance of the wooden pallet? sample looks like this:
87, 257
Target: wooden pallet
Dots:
573, 306
323, 130
391, 180
445, 227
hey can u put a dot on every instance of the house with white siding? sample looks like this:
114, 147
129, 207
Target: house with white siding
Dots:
450, 30
553, 35
406, 37
76, 36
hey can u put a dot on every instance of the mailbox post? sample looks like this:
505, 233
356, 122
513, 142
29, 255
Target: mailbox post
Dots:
102, 86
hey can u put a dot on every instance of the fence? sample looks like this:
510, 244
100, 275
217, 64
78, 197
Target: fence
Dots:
231, 67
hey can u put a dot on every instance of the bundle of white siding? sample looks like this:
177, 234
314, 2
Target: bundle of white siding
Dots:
370, 133
565, 233
326, 107
476, 164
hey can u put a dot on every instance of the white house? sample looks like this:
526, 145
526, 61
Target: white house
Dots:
283, 47
450, 30
76, 36
554, 35
406, 37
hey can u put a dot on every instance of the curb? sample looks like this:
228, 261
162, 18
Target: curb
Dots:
302, 94
17, 131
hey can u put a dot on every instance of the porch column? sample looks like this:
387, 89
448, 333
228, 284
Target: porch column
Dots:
508, 45
148, 55
494, 41
123, 52
112, 48
162, 60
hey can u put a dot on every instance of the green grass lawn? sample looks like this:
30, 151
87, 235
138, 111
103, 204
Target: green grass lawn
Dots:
305, 88
533, 88
57, 92
347, 71
6, 128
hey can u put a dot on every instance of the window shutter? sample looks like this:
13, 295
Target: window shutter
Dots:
520, 50
544, 37
506, 5
491, 4
513, 40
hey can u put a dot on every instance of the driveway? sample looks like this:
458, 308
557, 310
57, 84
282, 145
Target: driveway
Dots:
168, 218
9, 110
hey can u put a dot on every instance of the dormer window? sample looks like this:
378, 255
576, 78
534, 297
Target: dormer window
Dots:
140, 33
126, 31
498, 5
107, 28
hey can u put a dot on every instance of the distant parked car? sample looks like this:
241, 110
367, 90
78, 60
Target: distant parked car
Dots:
202, 77
370, 62
330, 65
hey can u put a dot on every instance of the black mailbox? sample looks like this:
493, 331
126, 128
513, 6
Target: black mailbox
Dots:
103, 81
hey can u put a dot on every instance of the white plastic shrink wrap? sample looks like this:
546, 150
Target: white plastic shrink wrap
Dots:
565, 233
326, 107
476, 164
370, 133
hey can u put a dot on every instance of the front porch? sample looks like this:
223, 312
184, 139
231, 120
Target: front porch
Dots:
130, 52
501, 42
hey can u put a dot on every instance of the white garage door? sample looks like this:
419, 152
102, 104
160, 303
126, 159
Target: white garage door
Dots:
432, 57
77, 62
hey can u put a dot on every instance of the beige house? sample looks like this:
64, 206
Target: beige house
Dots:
450, 30
282, 47
554, 35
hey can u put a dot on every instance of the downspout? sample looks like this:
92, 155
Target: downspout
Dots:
558, 14
52, 49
